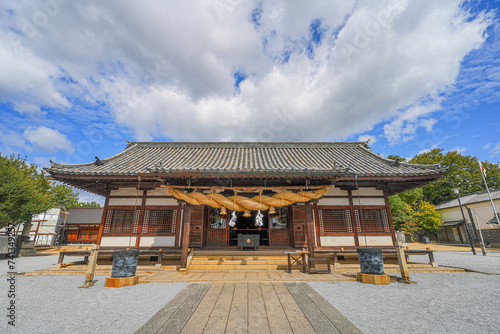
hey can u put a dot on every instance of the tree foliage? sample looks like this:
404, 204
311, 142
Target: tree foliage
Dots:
421, 216
64, 195
24, 190
92, 204
463, 173
399, 202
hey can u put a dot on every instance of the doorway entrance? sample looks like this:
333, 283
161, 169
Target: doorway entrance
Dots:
274, 232
247, 225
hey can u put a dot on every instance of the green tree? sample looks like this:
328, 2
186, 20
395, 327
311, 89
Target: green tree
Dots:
463, 173
64, 195
399, 202
410, 225
427, 217
92, 204
24, 190
421, 216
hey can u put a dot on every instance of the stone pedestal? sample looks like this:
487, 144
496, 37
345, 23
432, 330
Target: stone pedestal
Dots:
374, 279
118, 282
25, 247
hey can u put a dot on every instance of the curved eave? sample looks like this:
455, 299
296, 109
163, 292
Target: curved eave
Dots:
208, 173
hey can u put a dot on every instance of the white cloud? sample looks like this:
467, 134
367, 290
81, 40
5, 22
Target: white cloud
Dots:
48, 140
425, 150
168, 69
406, 123
9, 141
487, 146
495, 151
458, 149
371, 138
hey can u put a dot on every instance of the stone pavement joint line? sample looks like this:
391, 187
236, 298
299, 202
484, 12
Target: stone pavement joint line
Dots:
172, 317
324, 317
248, 307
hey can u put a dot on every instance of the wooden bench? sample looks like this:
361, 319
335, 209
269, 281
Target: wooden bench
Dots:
300, 258
108, 251
296, 258
388, 250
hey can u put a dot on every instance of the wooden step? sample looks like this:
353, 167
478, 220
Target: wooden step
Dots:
207, 267
230, 261
240, 257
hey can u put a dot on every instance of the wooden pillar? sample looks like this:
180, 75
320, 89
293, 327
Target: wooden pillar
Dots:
389, 215
403, 267
354, 222
89, 275
185, 235
310, 235
36, 232
316, 219
141, 218
103, 219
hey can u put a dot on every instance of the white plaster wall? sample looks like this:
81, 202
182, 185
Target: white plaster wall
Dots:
161, 201
165, 241
336, 192
369, 191
451, 214
368, 201
118, 241
337, 240
126, 192
125, 202
333, 201
484, 212
375, 240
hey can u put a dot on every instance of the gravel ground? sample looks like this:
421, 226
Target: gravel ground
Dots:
438, 303
23, 264
489, 263
54, 304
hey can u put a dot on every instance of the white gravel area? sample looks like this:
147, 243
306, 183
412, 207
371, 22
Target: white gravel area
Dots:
489, 263
438, 303
55, 304
30, 263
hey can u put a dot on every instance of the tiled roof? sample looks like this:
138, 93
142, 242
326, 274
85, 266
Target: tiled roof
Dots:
477, 197
331, 158
84, 216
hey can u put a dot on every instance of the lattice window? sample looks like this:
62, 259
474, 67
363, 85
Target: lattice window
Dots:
372, 221
121, 221
161, 222
335, 221
279, 237
216, 237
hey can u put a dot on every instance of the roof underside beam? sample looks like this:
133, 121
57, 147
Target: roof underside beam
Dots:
101, 184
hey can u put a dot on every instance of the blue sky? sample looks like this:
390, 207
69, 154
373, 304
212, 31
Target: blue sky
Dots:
78, 79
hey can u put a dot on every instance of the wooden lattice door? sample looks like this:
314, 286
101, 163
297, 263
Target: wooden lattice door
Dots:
299, 226
196, 226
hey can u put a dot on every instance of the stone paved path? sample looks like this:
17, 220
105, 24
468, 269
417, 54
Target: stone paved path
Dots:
248, 307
